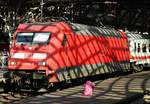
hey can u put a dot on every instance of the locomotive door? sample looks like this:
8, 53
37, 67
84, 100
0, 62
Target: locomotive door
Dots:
68, 46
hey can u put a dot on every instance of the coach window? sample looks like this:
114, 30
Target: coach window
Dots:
135, 47
138, 49
149, 47
144, 47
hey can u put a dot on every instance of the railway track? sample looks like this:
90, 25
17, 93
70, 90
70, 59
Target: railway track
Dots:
8, 98
127, 89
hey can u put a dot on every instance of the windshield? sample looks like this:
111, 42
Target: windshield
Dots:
33, 38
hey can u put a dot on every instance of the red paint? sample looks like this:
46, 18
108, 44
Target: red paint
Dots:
140, 57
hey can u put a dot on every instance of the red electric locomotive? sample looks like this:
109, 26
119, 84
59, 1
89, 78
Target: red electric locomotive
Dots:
44, 54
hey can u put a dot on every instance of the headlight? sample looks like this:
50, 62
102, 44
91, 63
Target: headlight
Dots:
39, 56
18, 55
12, 63
42, 63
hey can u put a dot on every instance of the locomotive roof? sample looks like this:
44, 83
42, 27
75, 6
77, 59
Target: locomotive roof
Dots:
93, 30
86, 29
40, 23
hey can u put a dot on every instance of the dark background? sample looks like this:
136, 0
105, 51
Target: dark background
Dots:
133, 15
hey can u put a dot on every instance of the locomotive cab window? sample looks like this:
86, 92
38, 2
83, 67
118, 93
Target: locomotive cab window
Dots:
41, 38
143, 47
33, 38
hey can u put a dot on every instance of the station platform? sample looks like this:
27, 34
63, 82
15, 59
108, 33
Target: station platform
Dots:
127, 89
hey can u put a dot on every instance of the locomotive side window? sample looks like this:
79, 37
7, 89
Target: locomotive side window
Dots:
64, 41
138, 49
144, 47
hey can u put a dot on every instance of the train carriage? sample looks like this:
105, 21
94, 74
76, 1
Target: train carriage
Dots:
43, 54
139, 50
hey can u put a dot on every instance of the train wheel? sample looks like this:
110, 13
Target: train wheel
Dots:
52, 87
137, 68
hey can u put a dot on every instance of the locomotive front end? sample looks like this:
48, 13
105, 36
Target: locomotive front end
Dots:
29, 51
28, 61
